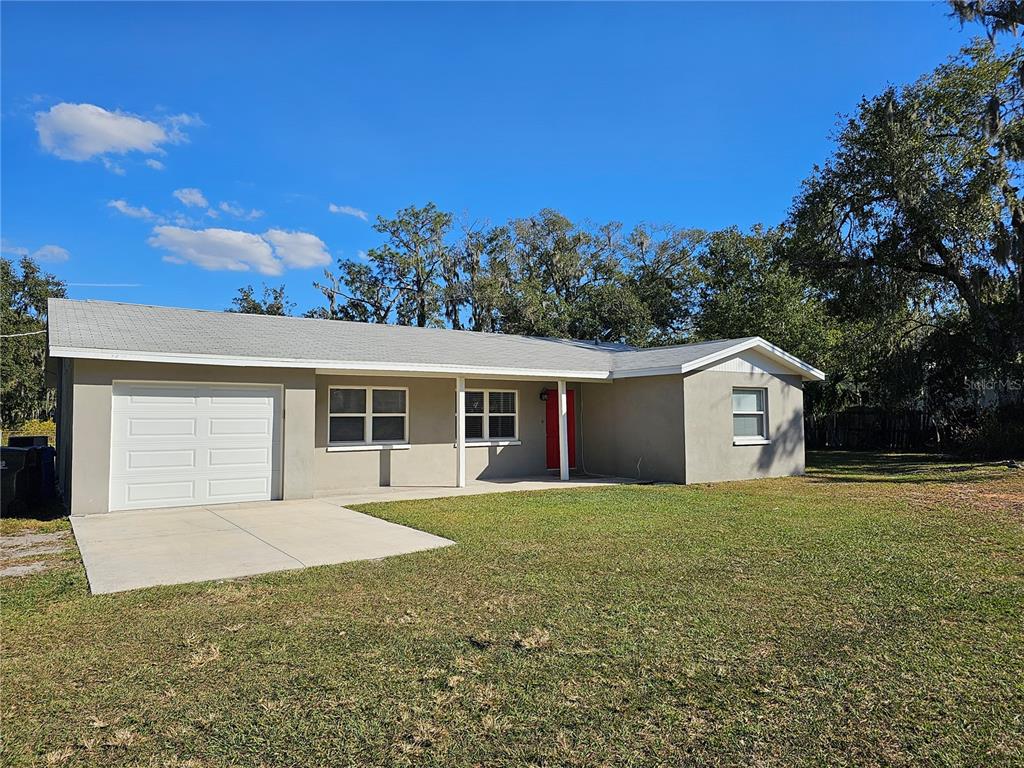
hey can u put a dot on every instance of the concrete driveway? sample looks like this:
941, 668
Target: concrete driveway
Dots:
144, 548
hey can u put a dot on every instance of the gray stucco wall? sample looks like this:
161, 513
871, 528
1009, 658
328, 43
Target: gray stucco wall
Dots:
710, 453
90, 433
431, 457
634, 428
667, 428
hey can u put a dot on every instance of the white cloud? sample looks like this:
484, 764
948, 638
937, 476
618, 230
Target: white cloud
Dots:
191, 197
156, 165
217, 249
348, 210
106, 285
50, 253
135, 212
228, 249
298, 249
12, 249
113, 167
82, 132
234, 209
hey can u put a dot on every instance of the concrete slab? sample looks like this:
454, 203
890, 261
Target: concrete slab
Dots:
318, 533
144, 548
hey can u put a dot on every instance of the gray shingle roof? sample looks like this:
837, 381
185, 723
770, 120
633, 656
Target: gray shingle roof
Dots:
135, 331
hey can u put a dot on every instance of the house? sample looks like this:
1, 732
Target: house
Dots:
161, 407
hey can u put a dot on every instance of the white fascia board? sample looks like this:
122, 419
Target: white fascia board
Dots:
328, 366
664, 370
807, 371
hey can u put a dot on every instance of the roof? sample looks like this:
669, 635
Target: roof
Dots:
116, 331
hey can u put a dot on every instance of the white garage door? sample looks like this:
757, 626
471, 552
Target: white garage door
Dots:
180, 444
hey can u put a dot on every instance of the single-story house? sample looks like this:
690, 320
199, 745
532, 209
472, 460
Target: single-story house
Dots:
161, 407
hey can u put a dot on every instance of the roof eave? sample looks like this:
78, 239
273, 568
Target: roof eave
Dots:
330, 366
804, 370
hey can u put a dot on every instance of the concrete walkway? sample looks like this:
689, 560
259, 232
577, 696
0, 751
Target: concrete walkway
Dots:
473, 488
149, 547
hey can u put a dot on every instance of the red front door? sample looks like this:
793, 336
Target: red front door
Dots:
551, 424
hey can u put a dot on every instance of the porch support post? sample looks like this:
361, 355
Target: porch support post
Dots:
563, 431
460, 431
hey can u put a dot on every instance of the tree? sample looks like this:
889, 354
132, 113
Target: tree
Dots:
272, 302
401, 281
550, 277
663, 275
23, 391
995, 15
920, 206
746, 288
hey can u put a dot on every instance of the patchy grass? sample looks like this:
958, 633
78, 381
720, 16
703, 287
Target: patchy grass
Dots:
46, 517
871, 613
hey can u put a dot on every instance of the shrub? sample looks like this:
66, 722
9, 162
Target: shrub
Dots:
35, 427
999, 434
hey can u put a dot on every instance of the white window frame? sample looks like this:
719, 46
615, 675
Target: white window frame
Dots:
762, 439
368, 443
486, 415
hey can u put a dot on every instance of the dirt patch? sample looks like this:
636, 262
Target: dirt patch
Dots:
19, 547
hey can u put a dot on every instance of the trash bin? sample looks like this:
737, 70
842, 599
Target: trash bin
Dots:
47, 472
14, 480
28, 441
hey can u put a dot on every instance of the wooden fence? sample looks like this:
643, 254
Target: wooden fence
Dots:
865, 428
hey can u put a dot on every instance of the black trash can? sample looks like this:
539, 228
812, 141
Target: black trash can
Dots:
14, 480
47, 472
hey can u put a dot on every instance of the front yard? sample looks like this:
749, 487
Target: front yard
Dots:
871, 613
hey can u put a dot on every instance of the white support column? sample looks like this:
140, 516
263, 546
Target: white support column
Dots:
460, 431
563, 431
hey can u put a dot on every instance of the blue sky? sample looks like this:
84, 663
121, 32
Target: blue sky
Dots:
261, 117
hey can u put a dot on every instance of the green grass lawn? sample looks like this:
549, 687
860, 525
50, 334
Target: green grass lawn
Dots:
871, 613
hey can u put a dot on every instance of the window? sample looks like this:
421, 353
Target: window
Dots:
367, 415
748, 416
491, 415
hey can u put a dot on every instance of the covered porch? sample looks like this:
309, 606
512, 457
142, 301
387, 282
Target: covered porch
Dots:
421, 433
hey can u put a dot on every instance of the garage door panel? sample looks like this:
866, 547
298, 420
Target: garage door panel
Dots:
181, 444
239, 427
238, 488
138, 426
165, 493
221, 458
235, 397
148, 396
144, 460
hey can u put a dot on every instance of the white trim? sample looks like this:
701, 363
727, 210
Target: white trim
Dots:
563, 431
325, 366
664, 370
762, 412
345, 447
756, 343
368, 416
460, 432
486, 417
328, 367
491, 443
